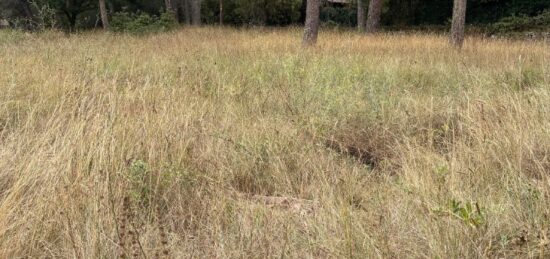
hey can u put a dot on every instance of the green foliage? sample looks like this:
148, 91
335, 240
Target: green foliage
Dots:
334, 16
140, 182
140, 23
254, 12
282, 12
45, 15
167, 21
469, 213
147, 187
432, 12
522, 23
142, 15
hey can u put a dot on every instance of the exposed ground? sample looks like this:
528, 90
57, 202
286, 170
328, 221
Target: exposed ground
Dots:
223, 143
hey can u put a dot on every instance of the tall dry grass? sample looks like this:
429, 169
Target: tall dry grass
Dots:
224, 143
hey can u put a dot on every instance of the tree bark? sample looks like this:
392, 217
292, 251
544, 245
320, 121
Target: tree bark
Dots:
361, 17
221, 12
187, 11
27, 9
171, 7
103, 13
458, 24
375, 12
312, 23
196, 12
71, 17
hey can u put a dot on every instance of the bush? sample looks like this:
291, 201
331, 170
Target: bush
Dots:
334, 16
139, 23
253, 12
522, 23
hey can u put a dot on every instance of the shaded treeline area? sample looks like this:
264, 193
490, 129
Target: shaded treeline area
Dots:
85, 14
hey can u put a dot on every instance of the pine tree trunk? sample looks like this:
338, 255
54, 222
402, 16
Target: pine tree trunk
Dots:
196, 12
221, 12
459, 22
312, 22
361, 17
27, 9
375, 12
187, 11
103, 13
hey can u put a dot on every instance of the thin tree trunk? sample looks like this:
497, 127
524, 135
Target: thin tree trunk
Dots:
312, 23
103, 13
71, 15
459, 22
373, 19
27, 9
221, 12
176, 9
361, 17
187, 11
29, 15
170, 7
196, 12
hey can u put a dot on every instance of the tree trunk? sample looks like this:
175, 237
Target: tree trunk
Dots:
171, 7
71, 17
361, 17
375, 12
103, 13
187, 11
221, 12
196, 12
459, 21
312, 22
29, 15
27, 9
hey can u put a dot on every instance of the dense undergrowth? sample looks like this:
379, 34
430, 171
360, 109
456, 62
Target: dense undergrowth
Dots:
239, 143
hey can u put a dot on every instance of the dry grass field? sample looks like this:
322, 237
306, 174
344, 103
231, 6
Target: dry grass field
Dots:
226, 143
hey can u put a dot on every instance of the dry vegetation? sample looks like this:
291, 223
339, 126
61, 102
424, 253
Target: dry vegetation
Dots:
222, 143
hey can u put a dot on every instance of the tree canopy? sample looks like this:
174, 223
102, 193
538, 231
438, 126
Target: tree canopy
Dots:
84, 14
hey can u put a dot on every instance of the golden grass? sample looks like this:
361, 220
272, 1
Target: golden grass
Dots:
219, 143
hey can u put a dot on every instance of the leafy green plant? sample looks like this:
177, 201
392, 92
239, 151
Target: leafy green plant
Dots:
45, 15
149, 187
140, 23
140, 183
469, 213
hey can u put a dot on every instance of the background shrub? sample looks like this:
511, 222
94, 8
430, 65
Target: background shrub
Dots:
139, 23
523, 23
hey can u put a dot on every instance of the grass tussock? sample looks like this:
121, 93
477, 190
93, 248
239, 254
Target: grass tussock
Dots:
224, 143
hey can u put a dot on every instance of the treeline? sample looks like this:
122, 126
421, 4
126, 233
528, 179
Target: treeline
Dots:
86, 14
